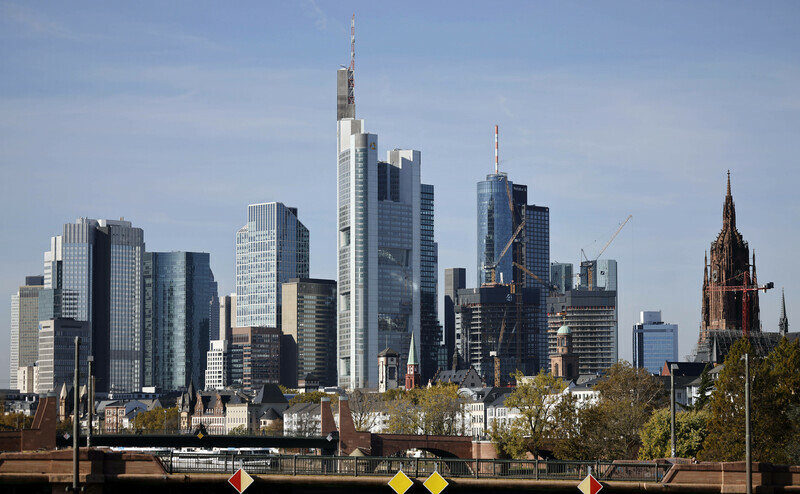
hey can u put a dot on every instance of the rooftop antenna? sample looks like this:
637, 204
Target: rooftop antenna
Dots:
496, 162
351, 97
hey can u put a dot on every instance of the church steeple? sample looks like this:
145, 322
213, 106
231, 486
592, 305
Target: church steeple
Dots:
412, 368
783, 322
729, 210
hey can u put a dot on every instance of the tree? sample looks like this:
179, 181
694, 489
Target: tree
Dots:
775, 380
15, 421
239, 430
312, 397
159, 420
704, 391
536, 400
610, 429
364, 407
437, 410
690, 432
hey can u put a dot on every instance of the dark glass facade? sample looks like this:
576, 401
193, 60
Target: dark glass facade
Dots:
430, 329
178, 288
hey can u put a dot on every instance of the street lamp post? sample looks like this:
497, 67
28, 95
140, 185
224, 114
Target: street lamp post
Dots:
747, 436
89, 401
672, 370
76, 418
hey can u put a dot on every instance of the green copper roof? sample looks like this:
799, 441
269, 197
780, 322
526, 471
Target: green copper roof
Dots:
412, 353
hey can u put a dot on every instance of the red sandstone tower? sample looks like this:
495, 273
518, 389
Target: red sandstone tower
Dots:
412, 369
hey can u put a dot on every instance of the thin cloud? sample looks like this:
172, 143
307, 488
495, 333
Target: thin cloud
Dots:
37, 24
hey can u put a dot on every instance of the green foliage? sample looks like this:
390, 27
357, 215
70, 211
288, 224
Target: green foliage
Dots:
313, 397
773, 397
158, 420
15, 421
437, 410
537, 400
285, 390
690, 432
64, 426
706, 385
239, 430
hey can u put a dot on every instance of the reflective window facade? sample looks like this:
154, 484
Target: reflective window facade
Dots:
179, 286
98, 266
24, 330
271, 248
654, 342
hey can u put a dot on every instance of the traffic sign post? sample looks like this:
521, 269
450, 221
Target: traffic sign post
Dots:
240, 480
590, 485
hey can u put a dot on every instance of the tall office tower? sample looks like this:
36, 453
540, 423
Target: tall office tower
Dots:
592, 318
561, 276
455, 279
217, 365
430, 330
654, 342
502, 207
378, 246
271, 248
178, 288
97, 264
255, 357
25, 326
57, 352
309, 323
213, 313
482, 316
599, 274
227, 316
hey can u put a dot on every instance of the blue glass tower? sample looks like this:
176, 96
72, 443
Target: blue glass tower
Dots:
178, 287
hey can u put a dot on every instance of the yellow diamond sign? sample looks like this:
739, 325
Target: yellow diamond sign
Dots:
435, 483
400, 482
199, 435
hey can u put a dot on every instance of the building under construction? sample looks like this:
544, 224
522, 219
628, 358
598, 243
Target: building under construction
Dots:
488, 324
591, 317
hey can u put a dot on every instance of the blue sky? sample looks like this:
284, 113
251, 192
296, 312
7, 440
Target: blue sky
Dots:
178, 115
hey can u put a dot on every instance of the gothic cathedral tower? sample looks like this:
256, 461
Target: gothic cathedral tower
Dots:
729, 266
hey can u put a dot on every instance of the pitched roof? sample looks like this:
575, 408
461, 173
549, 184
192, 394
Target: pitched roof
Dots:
412, 353
269, 393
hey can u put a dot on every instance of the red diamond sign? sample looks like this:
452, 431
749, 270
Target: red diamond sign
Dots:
240, 480
590, 485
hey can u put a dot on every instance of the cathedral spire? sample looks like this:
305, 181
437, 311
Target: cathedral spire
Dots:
783, 322
729, 211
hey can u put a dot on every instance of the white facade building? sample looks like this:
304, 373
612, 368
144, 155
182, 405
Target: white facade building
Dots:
271, 248
217, 365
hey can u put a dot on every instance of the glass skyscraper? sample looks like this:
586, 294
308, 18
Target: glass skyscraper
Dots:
385, 244
97, 264
178, 288
430, 329
24, 327
271, 248
654, 342
502, 207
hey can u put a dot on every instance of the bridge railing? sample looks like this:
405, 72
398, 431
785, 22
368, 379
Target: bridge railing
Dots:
257, 464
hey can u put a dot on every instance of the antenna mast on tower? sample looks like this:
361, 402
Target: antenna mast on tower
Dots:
351, 97
496, 162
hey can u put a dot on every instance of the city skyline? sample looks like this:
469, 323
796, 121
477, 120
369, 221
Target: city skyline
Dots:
641, 114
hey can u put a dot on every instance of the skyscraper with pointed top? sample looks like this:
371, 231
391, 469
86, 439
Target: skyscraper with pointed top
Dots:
728, 264
387, 260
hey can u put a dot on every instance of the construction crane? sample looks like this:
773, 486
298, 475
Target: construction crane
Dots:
492, 268
746, 288
590, 264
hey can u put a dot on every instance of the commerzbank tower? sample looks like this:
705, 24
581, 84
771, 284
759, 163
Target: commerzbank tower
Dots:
387, 257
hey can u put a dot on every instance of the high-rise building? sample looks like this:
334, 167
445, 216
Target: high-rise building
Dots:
178, 288
430, 330
561, 276
255, 357
25, 326
271, 248
599, 274
97, 265
217, 365
654, 342
227, 316
56, 360
502, 209
486, 325
379, 247
309, 321
455, 279
591, 317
